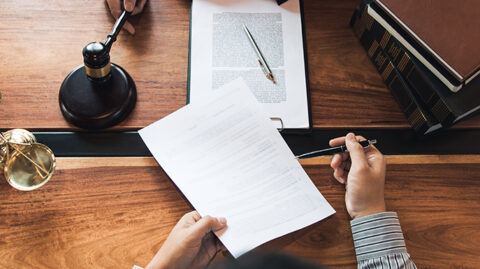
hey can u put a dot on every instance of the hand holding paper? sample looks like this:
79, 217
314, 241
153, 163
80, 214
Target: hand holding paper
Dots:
191, 244
228, 159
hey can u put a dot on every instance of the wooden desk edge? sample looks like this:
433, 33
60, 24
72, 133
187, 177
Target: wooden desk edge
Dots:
88, 162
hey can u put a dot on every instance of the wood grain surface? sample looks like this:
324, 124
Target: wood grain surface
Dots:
113, 213
41, 42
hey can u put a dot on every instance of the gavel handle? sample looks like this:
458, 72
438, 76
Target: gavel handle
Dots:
116, 29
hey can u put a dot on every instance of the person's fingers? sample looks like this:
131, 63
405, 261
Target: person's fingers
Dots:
336, 161
376, 159
136, 11
347, 167
360, 138
220, 246
188, 220
116, 13
339, 173
129, 5
193, 215
115, 9
142, 3
209, 242
357, 154
139, 7
343, 178
372, 151
206, 253
341, 141
208, 224
338, 158
129, 28
337, 141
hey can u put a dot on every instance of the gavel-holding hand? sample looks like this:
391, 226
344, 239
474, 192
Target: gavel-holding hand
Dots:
134, 6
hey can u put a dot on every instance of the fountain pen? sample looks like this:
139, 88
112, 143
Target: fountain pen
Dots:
333, 150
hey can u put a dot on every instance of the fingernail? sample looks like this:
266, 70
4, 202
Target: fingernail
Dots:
129, 6
334, 158
129, 29
351, 136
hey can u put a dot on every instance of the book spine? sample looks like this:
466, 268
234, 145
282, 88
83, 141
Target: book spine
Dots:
417, 115
401, 59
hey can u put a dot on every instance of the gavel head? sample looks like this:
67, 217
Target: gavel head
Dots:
96, 58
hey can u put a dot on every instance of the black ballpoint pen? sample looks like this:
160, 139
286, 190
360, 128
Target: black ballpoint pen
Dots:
333, 150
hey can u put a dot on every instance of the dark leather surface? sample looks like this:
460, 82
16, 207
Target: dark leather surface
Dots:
450, 28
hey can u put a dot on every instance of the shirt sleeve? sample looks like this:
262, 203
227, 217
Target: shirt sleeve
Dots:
379, 242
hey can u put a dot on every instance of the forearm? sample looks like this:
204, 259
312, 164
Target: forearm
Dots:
379, 242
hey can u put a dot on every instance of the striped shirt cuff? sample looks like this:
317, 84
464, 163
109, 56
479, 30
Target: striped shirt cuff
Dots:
377, 235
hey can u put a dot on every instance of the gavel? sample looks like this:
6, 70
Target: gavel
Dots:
98, 94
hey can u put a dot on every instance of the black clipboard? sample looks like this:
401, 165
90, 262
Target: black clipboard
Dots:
307, 81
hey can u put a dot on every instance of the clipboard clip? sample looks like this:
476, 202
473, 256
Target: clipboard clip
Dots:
282, 127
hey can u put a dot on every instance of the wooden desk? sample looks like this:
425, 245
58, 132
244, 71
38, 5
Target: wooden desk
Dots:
113, 213
41, 42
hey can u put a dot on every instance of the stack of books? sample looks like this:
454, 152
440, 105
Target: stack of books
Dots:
426, 53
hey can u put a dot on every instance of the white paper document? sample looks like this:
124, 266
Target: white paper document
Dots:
228, 159
221, 52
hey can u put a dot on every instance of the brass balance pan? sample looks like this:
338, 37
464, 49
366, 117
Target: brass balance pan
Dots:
30, 167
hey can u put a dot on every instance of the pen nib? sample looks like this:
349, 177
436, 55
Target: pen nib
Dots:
270, 77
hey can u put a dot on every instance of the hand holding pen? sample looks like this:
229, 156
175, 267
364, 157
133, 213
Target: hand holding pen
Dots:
333, 150
362, 170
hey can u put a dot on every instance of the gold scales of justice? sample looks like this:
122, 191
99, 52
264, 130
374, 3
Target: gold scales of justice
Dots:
27, 165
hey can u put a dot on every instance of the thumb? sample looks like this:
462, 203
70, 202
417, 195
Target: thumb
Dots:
129, 5
208, 224
375, 158
357, 154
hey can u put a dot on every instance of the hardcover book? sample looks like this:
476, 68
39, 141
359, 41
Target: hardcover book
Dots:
444, 33
401, 59
463, 103
418, 115
446, 106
